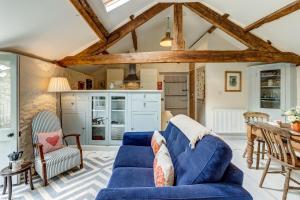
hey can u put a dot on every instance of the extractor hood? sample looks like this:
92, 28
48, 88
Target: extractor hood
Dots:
132, 77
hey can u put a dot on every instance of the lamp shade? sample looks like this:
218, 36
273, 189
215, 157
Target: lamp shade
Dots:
58, 84
167, 40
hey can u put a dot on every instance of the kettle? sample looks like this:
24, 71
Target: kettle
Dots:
14, 156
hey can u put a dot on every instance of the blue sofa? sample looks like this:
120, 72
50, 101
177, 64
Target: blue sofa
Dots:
202, 173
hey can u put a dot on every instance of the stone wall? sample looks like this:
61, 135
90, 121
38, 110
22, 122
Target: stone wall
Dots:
34, 78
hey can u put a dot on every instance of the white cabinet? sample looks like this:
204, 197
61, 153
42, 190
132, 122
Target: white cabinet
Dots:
74, 123
102, 117
145, 121
272, 89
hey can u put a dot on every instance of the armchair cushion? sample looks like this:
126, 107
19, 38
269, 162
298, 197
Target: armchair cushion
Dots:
134, 156
51, 141
58, 161
125, 177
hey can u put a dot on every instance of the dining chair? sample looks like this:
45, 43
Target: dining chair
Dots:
48, 165
257, 117
280, 150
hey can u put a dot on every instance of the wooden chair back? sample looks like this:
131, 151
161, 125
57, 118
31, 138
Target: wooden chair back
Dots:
279, 143
256, 117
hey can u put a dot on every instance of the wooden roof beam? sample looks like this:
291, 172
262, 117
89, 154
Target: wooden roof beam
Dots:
290, 8
178, 39
122, 31
91, 18
230, 27
184, 57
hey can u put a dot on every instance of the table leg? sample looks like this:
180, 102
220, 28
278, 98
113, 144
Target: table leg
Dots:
26, 177
30, 179
250, 146
9, 187
4, 185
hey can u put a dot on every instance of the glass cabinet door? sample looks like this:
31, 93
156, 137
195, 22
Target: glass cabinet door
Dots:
270, 90
99, 118
117, 117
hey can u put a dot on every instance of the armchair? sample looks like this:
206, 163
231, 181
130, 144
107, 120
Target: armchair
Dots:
50, 164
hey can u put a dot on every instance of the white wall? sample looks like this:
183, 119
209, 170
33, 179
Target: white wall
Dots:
216, 97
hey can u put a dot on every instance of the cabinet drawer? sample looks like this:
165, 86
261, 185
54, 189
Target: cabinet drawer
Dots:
68, 102
145, 105
146, 97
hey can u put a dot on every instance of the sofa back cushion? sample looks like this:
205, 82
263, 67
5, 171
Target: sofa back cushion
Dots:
204, 164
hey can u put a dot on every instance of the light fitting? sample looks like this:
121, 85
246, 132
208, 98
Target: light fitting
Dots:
167, 40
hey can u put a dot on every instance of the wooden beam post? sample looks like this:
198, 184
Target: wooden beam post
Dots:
91, 18
184, 57
178, 40
290, 8
134, 36
230, 28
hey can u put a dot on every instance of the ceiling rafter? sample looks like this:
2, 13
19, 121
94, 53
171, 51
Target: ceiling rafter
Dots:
230, 27
134, 36
210, 31
91, 18
122, 31
183, 57
290, 8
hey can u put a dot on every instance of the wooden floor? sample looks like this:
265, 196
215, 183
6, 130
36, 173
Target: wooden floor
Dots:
273, 185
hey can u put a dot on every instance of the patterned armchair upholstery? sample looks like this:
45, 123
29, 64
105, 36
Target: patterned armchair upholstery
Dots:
53, 163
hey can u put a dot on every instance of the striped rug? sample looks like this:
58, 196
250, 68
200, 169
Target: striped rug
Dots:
76, 184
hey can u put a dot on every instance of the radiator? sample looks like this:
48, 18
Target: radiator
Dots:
229, 121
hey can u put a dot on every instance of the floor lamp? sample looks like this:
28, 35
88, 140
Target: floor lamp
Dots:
59, 85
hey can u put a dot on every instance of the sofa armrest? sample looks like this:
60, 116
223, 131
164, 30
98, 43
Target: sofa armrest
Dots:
137, 138
233, 175
216, 191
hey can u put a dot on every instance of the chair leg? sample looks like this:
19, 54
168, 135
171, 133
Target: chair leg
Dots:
286, 183
265, 172
245, 153
263, 150
4, 185
45, 182
258, 155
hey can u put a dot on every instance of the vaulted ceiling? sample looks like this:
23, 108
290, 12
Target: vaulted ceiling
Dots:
54, 29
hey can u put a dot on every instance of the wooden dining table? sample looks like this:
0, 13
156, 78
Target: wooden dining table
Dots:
253, 132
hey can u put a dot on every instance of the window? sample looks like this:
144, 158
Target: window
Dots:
112, 4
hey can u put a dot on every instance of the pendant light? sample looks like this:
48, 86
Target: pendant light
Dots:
167, 40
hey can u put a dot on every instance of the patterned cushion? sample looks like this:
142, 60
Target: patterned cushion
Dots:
51, 141
156, 141
59, 161
163, 168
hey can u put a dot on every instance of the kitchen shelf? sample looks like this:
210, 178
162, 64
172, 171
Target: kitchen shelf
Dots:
98, 126
118, 125
270, 87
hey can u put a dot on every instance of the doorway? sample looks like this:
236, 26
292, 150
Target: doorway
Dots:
176, 93
8, 107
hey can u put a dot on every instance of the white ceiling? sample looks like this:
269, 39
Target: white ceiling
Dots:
53, 28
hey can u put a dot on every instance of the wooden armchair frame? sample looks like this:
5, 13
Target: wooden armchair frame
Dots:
39, 149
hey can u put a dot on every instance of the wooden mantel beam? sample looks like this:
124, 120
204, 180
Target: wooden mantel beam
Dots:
183, 57
134, 36
91, 18
290, 8
230, 27
122, 31
178, 39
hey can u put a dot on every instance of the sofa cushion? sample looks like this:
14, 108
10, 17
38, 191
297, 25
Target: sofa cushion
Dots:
134, 156
125, 177
163, 168
156, 141
204, 164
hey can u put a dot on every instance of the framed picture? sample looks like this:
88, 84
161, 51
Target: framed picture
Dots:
233, 81
81, 85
